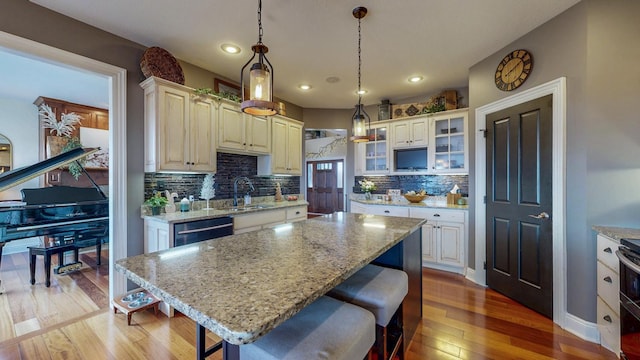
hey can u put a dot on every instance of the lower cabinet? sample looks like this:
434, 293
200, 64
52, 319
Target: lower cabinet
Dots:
608, 288
268, 218
443, 236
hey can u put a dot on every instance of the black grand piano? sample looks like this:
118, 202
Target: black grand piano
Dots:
61, 212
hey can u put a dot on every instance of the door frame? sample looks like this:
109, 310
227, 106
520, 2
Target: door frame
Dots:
117, 82
557, 88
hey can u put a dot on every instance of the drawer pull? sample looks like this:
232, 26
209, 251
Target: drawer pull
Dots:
386, 211
436, 215
297, 212
607, 318
607, 250
608, 279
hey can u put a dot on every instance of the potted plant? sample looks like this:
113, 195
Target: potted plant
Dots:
156, 202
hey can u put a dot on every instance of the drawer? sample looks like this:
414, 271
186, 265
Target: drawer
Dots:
609, 328
438, 214
608, 286
606, 252
297, 213
388, 210
258, 218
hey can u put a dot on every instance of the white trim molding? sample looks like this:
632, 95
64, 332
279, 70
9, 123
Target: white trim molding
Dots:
117, 79
556, 88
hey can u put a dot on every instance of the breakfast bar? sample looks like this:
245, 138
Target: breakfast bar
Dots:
242, 286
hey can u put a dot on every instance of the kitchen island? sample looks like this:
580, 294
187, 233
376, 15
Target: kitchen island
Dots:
242, 286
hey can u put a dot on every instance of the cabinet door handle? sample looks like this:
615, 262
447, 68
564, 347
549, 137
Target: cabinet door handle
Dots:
607, 318
607, 250
436, 215
297, 212
386, 211
608, 279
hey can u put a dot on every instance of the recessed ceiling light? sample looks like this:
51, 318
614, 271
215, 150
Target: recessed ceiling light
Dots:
230, 48
304, 87
361, 92
415, 79
332, 79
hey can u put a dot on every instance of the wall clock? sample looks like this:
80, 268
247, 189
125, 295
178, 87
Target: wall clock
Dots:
513, 70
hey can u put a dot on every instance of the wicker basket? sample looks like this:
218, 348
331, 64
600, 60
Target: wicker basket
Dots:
159, 62
415, 198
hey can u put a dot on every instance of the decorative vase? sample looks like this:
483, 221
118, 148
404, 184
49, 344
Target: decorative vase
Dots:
367, 195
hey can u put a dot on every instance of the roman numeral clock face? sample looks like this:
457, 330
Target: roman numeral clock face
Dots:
513, 70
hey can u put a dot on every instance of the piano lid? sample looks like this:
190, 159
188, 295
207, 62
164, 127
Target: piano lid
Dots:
18, 176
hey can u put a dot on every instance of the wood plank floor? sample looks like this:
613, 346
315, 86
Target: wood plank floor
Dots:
72, 320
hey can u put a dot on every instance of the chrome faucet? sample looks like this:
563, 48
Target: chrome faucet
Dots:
244, 180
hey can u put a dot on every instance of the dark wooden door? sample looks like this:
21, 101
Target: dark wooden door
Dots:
519, 204
325, 186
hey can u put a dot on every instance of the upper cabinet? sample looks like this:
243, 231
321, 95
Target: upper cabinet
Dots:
179, 128
286, 151
242, 133
372, 157
410, 133
448, 142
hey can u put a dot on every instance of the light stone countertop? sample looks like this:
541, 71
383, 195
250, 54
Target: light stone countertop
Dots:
617, 233
242, 286
439, 202
178, 216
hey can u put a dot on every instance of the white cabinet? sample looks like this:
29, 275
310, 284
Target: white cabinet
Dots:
385, 210
372, 157
268, 218
443, 238
608, 288
410, 133
157, 236
179, 128
448, 142
286, 149
242, 133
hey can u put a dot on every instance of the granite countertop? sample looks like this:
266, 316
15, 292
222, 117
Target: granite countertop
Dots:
430, 202
617, 233
242, 286
177, 217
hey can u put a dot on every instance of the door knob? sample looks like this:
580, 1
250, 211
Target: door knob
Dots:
542, 215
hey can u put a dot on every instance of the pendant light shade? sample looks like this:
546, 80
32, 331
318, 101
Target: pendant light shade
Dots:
260, 75
360, 119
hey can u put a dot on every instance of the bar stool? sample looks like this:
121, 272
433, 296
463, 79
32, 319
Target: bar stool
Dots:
380, 290
325, 329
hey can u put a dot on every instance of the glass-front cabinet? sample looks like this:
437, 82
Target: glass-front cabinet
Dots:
373, 155
449, 145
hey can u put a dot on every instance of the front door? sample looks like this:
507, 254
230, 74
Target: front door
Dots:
519, 203
325, 186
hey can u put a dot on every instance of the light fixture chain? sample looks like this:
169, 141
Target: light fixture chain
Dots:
259, 21
359, 62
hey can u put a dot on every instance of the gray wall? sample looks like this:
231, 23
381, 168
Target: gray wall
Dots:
595, 46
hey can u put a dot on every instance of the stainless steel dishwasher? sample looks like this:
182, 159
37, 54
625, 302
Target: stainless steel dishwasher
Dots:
200, 230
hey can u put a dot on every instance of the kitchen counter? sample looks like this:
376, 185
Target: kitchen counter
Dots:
430, 202
617, 233
242, 286
177, 217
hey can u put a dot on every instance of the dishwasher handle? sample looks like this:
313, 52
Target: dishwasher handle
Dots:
183, 232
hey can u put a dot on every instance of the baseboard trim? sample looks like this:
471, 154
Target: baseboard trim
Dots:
585, 330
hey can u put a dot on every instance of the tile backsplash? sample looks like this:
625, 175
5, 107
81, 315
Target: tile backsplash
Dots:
230, 166
437, 185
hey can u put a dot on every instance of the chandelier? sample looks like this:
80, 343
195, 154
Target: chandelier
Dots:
360, 118
260, 100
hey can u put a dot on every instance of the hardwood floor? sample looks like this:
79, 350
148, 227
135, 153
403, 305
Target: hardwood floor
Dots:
73, 321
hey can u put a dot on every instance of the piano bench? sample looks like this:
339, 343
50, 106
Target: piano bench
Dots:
47, 251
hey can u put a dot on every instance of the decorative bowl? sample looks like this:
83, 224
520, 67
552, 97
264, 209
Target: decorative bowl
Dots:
415, 198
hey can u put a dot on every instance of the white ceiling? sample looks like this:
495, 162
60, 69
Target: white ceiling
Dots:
310, 41
23, 79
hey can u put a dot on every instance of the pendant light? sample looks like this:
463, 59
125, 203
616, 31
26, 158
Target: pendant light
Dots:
360, 119
260, 100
